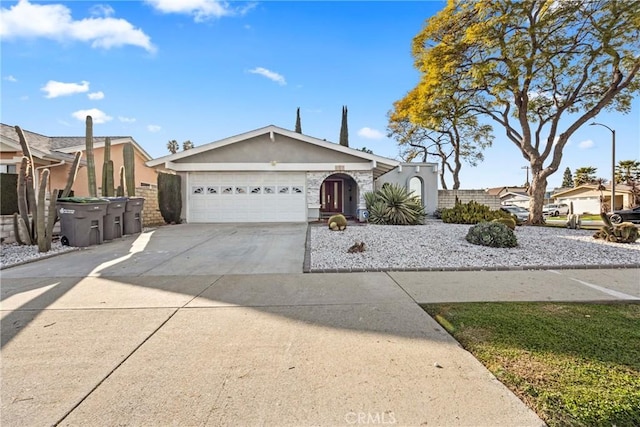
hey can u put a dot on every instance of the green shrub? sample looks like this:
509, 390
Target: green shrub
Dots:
394, 205
471, 213
9, 193
494, 234
508, 221
170, 197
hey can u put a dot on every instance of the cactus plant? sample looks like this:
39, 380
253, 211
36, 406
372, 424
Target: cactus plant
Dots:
625, 232
91, 164
129, 168
107, 170
40, 229
508, 221
120, 189
23, 205
337, 222
73, 171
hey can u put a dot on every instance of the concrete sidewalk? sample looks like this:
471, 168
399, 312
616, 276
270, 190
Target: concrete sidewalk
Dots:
118, 344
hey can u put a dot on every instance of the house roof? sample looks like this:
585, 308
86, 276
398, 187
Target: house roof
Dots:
59, 147
620, 188
498, 191
381, 164
39, 144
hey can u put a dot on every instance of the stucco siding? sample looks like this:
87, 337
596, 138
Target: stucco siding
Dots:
261, 149
426, 172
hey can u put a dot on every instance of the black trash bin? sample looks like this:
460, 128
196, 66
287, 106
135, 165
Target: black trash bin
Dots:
114, 217
133, 215
81, 220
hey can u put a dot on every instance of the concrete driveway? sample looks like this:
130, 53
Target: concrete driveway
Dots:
184, 250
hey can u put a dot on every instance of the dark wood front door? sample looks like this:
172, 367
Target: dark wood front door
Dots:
331, 196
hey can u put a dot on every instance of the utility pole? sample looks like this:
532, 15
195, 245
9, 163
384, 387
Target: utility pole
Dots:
527, 181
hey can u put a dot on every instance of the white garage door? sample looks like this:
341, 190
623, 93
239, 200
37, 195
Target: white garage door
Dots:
247, 197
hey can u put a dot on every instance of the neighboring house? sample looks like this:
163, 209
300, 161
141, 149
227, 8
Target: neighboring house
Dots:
57, 154
276, 175
517, 196
586, 198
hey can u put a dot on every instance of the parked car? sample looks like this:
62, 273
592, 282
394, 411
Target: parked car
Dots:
555, 209
521, 214
626, 215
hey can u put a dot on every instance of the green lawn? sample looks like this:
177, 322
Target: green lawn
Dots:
582, 217
574, 364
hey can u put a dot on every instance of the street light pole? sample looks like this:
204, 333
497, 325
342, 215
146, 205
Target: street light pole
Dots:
527, 168
613, 163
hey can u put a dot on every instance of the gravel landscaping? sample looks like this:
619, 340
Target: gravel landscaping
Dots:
441, 246
14, 254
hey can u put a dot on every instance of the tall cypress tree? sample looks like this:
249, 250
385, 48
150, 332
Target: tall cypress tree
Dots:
567, 179
298, 125
344, 130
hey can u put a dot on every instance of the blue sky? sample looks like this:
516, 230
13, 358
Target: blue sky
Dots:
196, 69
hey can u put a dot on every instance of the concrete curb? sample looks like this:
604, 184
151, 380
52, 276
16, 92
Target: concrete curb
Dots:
496, 268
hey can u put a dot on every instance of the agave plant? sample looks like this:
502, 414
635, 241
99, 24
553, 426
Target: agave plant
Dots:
394, 205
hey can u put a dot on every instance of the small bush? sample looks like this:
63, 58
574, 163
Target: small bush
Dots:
170, 197
494, 234
471, 213
9, 193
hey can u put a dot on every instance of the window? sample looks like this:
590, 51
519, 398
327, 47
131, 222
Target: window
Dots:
8, 169
415, 187
212, 190
296, 190
227, 190
269, 190
197, 190
283, 190
255, 190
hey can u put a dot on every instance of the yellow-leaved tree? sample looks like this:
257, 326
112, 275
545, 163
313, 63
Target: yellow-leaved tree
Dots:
539, 69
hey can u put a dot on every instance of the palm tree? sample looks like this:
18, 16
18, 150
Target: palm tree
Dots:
627, 170
584, 175
173, 146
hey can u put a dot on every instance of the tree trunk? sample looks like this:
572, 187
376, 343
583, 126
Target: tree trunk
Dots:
536, 191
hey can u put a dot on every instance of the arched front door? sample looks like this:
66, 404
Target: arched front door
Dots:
338, 194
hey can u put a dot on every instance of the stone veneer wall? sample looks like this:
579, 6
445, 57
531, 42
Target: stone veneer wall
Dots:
364, 179
151, 210
447, 198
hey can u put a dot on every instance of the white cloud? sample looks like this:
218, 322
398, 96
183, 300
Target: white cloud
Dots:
154, 128
55, 89
586, 144
369, 133
94, 96
201, 10
126, 119
97, 115
11, 79
271, 75
54, 21
102, 10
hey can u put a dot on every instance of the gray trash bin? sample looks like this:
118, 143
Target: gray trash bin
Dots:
133, 215
81, 221
113, 219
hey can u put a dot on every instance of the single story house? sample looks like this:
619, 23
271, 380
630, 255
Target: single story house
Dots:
273, 174
518, 196
57, 154
586, 198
